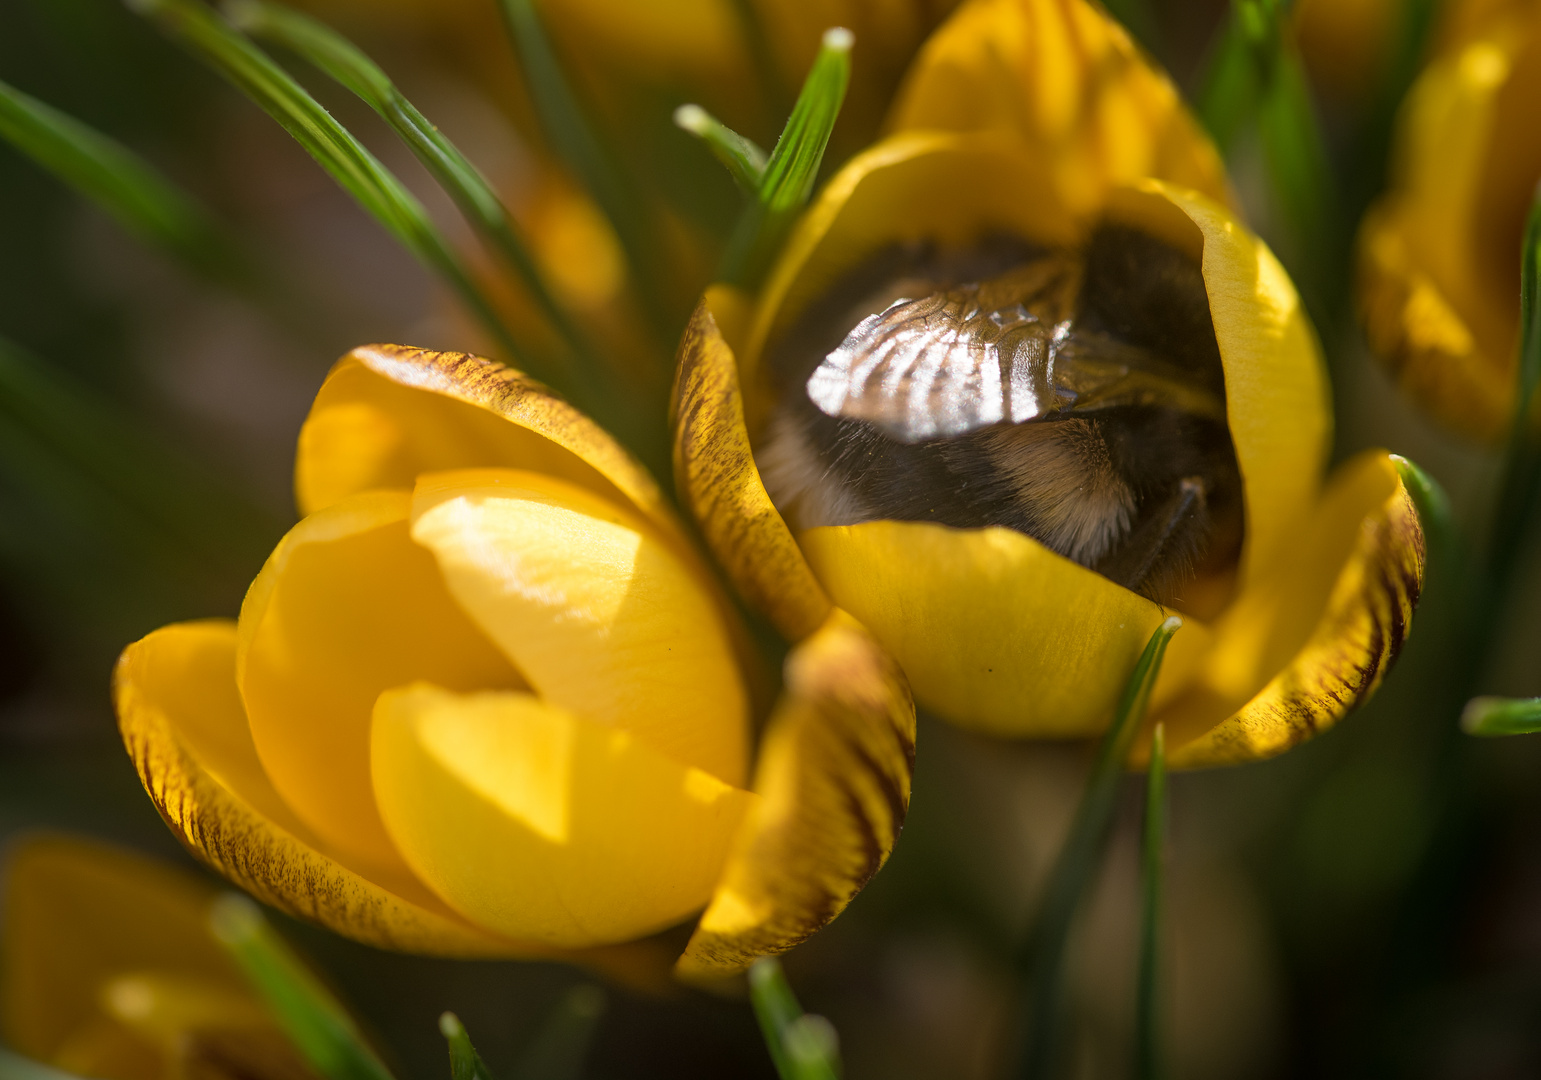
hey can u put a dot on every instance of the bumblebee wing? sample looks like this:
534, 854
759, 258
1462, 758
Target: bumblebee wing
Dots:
1093, 370
938, 367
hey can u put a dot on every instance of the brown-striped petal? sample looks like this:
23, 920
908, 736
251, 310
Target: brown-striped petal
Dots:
389, 412
184, 726
834, 785
1364, 555
717, 479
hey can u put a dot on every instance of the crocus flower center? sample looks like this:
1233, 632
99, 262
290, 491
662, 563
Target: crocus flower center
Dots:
1076, 396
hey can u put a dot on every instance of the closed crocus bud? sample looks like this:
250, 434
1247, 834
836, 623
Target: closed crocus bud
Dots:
485, 700
1019, 385
108, 969
1439, 253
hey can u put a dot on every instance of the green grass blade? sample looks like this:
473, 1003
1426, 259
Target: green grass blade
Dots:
1434, 512
340, 59
1521, 474
1490, 716
793, 166
120, 182
743, 159
98, 456
1150, 1003
572, 136
314, 1020
802, 1047
464, 1062
1077, 860
794, 163
1301, 174
562, 1044
354, 168
1229, 86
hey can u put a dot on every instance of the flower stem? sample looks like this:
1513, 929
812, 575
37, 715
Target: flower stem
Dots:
1089, 831
1149, 1061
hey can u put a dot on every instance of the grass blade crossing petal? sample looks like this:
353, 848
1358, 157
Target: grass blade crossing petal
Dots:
1045, 952
314, 1020
1148, 1057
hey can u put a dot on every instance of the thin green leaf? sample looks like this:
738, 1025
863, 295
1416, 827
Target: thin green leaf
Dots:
1088, 835
775, 93
99, 458
570, 133
1520, 481
802, 1047
1149, 1060
1434, 511
562, 1044
1530, 316
789, 174
1489, 716
464, 1062
813, 1048
120, 182
373, 186
340, 59
1299, 170
1229, 86
315, 1022
743, 159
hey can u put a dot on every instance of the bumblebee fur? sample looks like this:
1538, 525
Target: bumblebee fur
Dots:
1143, 489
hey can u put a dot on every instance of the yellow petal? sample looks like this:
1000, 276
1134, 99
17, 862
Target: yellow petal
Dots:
347, 606
834, 785
1065, 80
996, 632
1437, 253
183, 723
598, 613
1318, 640
541, 825
715, 473
388, 412
78, 912
1422, 340
1276, 391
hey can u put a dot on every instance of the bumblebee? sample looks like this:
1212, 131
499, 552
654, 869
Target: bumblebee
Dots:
1076, 396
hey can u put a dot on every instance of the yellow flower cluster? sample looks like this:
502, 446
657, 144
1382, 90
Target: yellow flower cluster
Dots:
486, 699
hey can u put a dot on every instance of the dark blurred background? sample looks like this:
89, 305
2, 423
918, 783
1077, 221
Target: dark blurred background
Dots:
1367, 905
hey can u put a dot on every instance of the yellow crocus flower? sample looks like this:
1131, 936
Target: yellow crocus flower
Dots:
1038, 120
109, 970
485, 700
1439, 252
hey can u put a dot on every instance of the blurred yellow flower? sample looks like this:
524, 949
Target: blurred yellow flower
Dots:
485, 700
110, 971
1439, 253
1038, 120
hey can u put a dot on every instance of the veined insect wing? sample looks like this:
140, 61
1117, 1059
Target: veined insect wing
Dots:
1004, 349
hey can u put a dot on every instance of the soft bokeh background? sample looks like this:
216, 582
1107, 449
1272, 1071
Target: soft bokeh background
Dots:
1367, 905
